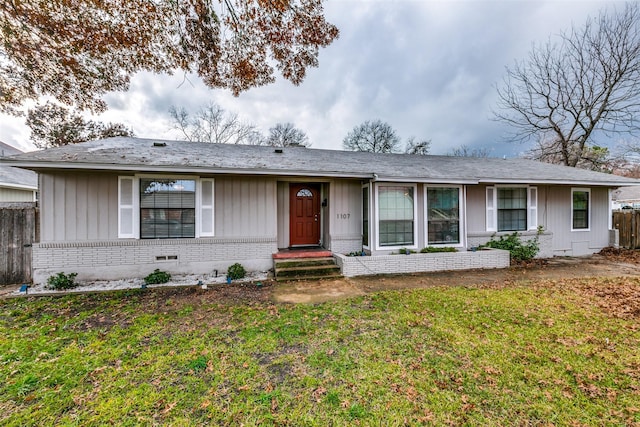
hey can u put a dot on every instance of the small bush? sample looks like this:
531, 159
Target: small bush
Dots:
435, 249
157, 277
62, 281
236, 271
405, 251
357, 253
519, 250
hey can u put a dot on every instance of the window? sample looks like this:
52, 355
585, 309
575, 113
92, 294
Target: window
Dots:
365, 216
580, 208
443, 215
304, 193
165, 207
512, 208
395, 215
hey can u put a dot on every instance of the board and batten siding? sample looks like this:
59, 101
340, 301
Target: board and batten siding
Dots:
84, 207
567, 242
245, 207
554, 215
476, 211
78, 207
345, 216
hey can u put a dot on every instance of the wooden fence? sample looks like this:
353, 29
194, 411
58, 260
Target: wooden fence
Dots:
628, 224
18, 231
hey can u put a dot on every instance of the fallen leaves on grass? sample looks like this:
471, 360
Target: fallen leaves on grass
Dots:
618, 297
630, 256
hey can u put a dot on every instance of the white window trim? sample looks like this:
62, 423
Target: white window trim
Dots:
461, 218
609, 209
376, 216
136, 202
582, 190
368, 187
532, 207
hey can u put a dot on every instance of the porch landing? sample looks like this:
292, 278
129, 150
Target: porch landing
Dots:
302, 253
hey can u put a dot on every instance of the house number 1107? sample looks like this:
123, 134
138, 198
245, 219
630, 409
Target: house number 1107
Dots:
343, 215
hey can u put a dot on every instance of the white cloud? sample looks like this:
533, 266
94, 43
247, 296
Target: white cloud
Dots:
426, 67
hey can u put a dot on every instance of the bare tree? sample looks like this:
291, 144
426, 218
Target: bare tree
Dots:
415, 146
53, 126
466, 151
212, 123
374, 136
285, 135
567, 92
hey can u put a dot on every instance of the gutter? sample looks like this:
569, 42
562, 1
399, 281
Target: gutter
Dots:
18, 186
36, 166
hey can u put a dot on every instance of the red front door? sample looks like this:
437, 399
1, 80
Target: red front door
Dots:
304, 202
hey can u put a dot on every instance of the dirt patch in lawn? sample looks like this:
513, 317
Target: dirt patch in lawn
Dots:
612, 264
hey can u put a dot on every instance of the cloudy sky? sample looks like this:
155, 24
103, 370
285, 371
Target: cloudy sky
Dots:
428, 68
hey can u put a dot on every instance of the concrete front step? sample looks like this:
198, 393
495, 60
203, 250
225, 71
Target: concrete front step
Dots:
306, 268
303, 262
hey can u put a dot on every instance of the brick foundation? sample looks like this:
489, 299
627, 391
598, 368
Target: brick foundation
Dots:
418, 263
119, 259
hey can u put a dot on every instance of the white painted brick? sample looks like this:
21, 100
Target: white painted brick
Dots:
131, 258
416, 263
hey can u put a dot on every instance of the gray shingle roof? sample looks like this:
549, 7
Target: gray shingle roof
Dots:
150, 155
14, 177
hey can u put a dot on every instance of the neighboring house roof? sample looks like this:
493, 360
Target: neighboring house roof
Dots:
151, 155
627, 194
11, 177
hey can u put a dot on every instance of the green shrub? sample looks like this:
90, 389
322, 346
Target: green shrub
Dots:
519, 250
405, 251
62, 281
236, 271
434, 249
157, 277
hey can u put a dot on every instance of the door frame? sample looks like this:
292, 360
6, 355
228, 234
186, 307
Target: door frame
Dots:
317, 190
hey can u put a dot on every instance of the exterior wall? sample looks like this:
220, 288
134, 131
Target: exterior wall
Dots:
476, 211
117, 259
575, 243
84, 206
417, 263
554, 215
545, 241
78, 207
245, 207
16, 195
283, 214
79, 220
345, 216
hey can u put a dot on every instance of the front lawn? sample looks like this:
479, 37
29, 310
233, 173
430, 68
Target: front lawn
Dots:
561, 352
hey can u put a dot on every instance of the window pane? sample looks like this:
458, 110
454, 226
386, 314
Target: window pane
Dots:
167, 208
396, 216
365, 216
443, 213
512, 209
580, 209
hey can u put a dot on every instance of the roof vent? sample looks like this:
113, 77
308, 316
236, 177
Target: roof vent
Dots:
278, 150
159, 144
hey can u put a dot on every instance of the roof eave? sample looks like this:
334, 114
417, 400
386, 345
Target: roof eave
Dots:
558, 182
39, 166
